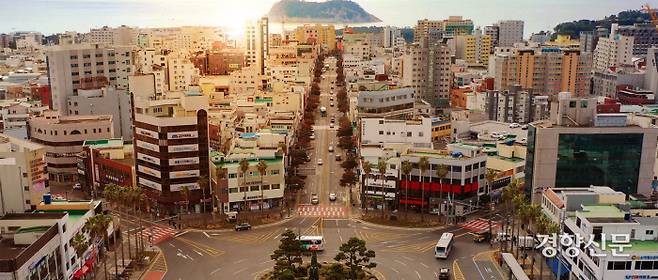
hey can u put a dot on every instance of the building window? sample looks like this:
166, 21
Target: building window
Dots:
583, 104
572, 104
232, 175
254, 188
73, 57
244, 189
274, 172
276, 186
649, 232
232, 190
381, 132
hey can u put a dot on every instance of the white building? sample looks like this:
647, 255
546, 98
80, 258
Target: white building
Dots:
256, 44
391, 35
617, 50
71, 67
385, 131
17, 157
651, 76
106, 101
509, 32
121, 35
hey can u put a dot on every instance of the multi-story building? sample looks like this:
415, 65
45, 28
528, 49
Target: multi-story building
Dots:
578, 147
391, 35
509, 32
605, 83
544, 71
173, 71
85, 66
121, 35
426, 69
375, 131
644, 36
171, 145
106, 161
390, 103
187, 39
104, 101
23, 179
256, 44
63, 137
474, 49
516, 106
492, 32
247, 80
218, 61
440, 129
323, 35
616, 50
600, 216
542, 37
651, 76
454, 25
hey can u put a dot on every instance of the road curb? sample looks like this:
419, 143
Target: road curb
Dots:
357, 220
277, 223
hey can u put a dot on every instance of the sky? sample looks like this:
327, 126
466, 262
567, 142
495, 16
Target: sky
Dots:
52, 16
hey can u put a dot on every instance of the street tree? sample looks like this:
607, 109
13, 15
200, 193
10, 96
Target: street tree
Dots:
288, 256
346, 143
367, 170
441, 172
262, 169
381, 168
314, 269
349, 162
244, 167
335, 271
355, 256
407, 167
423, 165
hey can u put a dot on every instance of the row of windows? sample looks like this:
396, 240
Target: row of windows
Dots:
639, 265
252, 173
255, 188
72, 132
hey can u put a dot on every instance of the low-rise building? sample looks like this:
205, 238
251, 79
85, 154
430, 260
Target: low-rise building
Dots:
104, 162
383, 131
23, 178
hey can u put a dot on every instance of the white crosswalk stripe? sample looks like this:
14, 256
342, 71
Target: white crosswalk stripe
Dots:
321, 211
479, 225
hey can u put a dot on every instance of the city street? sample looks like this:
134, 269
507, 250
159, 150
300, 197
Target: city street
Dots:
401, 253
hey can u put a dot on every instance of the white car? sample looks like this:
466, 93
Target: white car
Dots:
331, 104
332, 197
331, 149
313, 136
514, 125
331, 125
77, 186
319, 161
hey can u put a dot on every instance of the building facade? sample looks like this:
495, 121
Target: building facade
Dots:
23, 177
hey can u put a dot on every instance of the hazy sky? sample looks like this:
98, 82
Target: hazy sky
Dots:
50, 16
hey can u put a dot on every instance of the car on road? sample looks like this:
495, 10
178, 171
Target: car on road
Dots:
331, 98
312, 136
319, 161
338, 158
444, 273
332, 197
242, 226
331, 104
77, 186
524, 127
331, 149
514, 125
482, 236
331, 125
315, 199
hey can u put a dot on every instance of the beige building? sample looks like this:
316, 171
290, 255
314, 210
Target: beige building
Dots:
63, 137
544, 71
474, 49
22, 175
121, 35
426, 69
173, 71
324, 35
184, 38
256, 44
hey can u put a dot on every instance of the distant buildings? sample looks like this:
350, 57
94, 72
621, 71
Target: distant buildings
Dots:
473, 48
121, 35
106, 161
505, 33
256, 44
323, 35
616, 50
644, 36
454, 25
578, 147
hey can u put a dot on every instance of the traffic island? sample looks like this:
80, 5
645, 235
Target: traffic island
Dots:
326, 271
401, 219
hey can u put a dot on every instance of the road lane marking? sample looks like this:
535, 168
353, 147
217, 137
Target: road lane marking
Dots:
418, 274
265, 262
395, 270
215, 271
198, 253
397, 261
206, 234
424, 265
238, 271
239, 261
478, 268
408, 258
457, 271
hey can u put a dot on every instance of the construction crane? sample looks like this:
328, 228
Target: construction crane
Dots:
652, 14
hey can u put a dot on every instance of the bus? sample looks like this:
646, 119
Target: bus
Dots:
444, 246
312, 243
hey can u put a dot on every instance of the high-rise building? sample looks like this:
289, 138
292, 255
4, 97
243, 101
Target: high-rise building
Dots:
492, 31
23, 179
86, 66
391, 35
256, 44
171, 145
323, 35
426, 68
509, 32
62, 137
651, 73
616, 50
105, 101
644, 36
474, 49
516, 106
122, 35
454, 25
578, 147
544, 71
184, 39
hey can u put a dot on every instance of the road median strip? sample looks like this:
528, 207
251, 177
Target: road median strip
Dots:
457, 271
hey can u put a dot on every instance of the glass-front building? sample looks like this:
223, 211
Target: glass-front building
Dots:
599, 159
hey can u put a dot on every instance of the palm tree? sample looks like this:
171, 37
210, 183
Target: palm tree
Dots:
509, 192
441, 172
185, 193
491, 176
283, 147
407, 167
262, 168
381, 167
98, 225
244, 166
203, 184
80, 244
423, 165
367, 170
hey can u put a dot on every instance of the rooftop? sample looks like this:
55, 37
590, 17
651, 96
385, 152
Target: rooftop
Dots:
601, 211
104, 143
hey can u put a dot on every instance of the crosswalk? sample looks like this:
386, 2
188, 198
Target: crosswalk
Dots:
158, 233
479, 225
377, 237
321, 211
249, 237
420, 247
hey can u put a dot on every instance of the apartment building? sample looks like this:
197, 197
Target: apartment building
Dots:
474, 49
577, 147
544, 71
256, 44
63, 137
616, 50
187, 39
606, 83
86, 66
104, 101
121, 35
644, 36
221, 61
509, 32
323, 35
390, 103
454, 25
426, 69
171, 146
23, 179
173, 71
248, 80
516, 106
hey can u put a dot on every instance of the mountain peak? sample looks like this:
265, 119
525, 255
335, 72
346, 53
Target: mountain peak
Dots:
332, 11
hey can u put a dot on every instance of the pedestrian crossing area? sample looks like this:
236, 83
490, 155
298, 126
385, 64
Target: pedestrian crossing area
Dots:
479, 225
322, 211
157, 234
420, 247
249, 237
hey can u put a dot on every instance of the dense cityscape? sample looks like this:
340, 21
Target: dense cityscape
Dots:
303, 146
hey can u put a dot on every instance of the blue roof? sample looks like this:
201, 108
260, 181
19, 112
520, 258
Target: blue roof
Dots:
248, 135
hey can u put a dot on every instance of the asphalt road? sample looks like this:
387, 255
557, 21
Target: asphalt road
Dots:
401, 253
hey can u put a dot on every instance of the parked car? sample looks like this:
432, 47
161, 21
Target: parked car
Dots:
315, 199
332, 197
319, 161
524, 127
331, 149
77, 186
312, 136
331, 104
242, 226
514, 125
338, 157
331, 125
